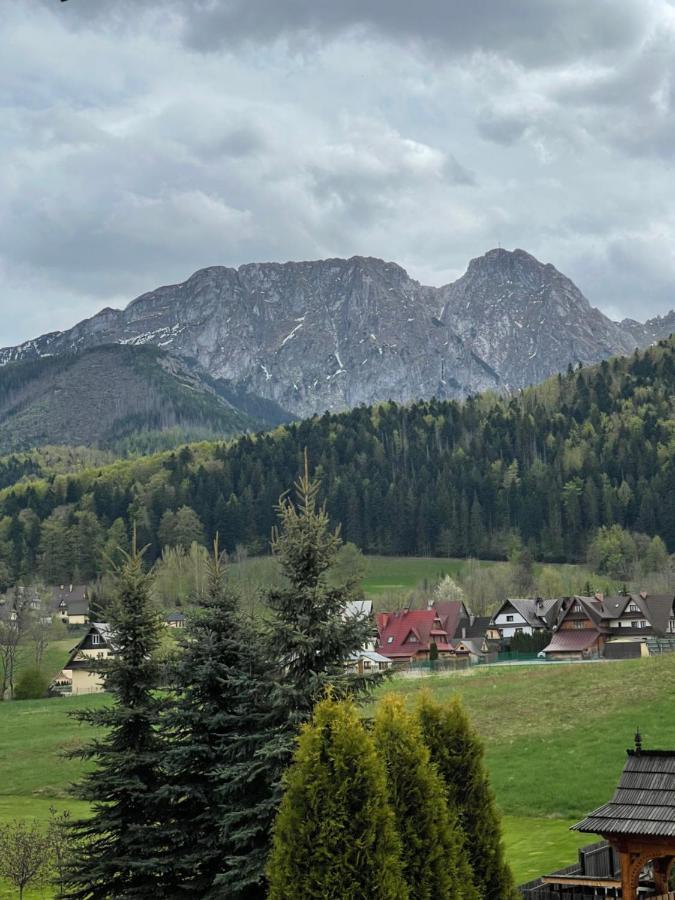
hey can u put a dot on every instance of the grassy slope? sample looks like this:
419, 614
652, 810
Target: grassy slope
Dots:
555, 742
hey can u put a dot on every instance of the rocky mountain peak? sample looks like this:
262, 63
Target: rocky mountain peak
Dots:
334, 333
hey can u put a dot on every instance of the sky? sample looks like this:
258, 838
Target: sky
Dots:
144, 139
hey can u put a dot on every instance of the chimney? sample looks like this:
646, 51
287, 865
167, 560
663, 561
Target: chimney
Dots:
643, 594
599, 596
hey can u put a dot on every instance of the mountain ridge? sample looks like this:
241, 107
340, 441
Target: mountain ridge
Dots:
335, 333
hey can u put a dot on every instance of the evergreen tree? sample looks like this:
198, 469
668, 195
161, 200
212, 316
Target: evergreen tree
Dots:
435, 864
457, 751
213, 821
117, 857
311, 635
312, 632
335, 836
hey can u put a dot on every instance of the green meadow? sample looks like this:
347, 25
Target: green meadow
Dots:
555, 739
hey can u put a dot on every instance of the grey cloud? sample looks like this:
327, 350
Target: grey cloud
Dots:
130, 158
500, 128
539, 32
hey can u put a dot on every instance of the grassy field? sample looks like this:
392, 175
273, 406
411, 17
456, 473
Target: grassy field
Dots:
555, 739
385, 574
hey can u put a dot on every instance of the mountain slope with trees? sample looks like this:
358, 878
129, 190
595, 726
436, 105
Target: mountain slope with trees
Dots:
591, 448
122, 398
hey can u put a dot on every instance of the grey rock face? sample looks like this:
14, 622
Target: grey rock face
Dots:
528, 318
336, 333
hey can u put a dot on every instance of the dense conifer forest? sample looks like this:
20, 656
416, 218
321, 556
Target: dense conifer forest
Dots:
552, 464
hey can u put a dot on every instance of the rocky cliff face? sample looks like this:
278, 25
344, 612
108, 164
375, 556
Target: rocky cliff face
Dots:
527, 318
335, 333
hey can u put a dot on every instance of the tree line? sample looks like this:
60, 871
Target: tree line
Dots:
244, 768
588, 449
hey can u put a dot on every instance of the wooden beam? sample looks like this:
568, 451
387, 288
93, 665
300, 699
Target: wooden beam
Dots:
582, 881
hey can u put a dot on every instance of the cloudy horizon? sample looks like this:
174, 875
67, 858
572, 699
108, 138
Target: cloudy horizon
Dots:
144, 140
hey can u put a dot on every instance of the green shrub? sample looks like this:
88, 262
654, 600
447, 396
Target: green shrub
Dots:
31, 685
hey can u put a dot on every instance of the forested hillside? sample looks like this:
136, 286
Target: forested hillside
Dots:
122, 398
593, 447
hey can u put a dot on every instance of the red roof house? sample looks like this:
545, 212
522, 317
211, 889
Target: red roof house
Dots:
408, 634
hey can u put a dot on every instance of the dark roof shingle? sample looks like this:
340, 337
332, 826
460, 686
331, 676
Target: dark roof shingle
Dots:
644, 802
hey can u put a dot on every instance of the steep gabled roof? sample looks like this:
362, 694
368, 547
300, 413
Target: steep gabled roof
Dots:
591, 606
395, 628
451, 613
101, 628
644, 802
531, 609
478, 627
657, 608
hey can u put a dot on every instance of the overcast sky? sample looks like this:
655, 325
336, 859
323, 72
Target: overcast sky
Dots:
144, 139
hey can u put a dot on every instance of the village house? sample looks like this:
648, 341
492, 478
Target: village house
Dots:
175, 619
408, 635
69, 603
532, 615
367, 661
77, 676
622, 627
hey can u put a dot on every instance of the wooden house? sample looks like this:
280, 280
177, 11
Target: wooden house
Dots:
408, 634
367, 661
618, 627
175, 619
529, 615
69, 603
78, 676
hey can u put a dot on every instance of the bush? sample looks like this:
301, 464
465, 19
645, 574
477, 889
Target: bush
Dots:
31, 685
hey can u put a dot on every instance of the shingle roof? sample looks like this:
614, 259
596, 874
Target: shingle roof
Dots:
398, 626
176, 616
451, 613
478, 627
572, 640
537, 612
644, 802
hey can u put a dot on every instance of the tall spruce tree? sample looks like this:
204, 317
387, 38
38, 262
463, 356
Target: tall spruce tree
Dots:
313, 631
457, 752
217, 718
311, 634
435, 861
117, 853
335, 836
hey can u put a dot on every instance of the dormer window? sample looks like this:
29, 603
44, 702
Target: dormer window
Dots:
390, 639
95, 638
633, 608
577, 607
412, 638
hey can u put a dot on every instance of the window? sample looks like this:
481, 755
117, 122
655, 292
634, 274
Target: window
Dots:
411, 639
633, 608
671, 626
577, 608
95, 639
509, 618
638, 623
579, 625
519, 630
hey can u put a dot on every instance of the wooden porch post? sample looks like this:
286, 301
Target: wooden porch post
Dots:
661, 873
628, 877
